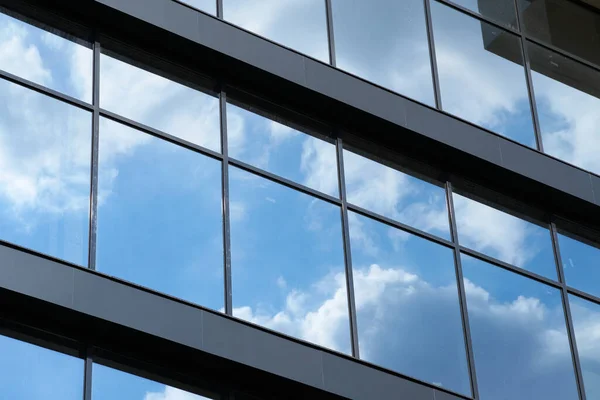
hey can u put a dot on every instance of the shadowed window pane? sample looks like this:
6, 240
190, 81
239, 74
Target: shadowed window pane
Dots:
502, 11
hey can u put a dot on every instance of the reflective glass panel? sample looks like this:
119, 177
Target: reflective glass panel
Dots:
209, 6
159, 102
385, 41
407, 304
45, 58
288, 261
282, 150
298, 24
565, 24
395, 195
112, 384
45, 151
519, 336
159, 215
482, 79
34, 373
502, 11
505, 237
568, 100
586, 322
581, 264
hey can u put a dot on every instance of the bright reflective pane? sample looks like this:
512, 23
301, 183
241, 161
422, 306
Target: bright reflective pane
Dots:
407, 304
482, 79
34, 373
44, 58
298, 24
565, 24
282, 150
568, 101
395, 195
112, 384
519, 336
159, 215
287, 261
586, 322
45, 151
581, 264
209, 6
503, 236
502, 11
159, 102
385, 41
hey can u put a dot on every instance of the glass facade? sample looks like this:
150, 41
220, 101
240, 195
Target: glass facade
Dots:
328, 245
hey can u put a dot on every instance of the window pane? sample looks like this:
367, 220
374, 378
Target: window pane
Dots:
208, 6
112, 384
568, 99
564, 24
35, 373
395, 195
160, 103
586, 321
502, 236
581, 263
45, 151
282, 150
407, 304
499, 10
385, 41
159, 215
45, 58
519, 337
287, 261
300, 25
481, 74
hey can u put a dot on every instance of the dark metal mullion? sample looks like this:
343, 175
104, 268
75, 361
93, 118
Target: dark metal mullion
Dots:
347, 250
461, 291
225, 206
219, 8
87, 375
330, 34
432, 55
567, 312
530, 89
94, 158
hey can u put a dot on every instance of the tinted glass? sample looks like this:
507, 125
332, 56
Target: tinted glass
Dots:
581, 264
287, 261
34, 373
505, 237
565, 24
482, 79
407, 304
159, 215
45, 151
502, 11
586, 321
519, 336
282, 150
209, 6
395, 195
568, 99
112, 384
160, 103
298, 24
45, 58
385, 41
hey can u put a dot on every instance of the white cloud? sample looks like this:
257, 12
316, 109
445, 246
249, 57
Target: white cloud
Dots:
318, 163
171, 393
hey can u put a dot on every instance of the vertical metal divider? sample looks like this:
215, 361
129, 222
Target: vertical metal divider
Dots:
567, 312
529, 80
225, 204
330, 35
347, 249
461, 291
94, 157
432, 56
220, 8
87, 375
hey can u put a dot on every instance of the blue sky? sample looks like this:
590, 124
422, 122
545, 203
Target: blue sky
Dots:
159, 217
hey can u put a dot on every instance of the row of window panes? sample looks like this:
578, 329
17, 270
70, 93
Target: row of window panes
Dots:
155, 197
